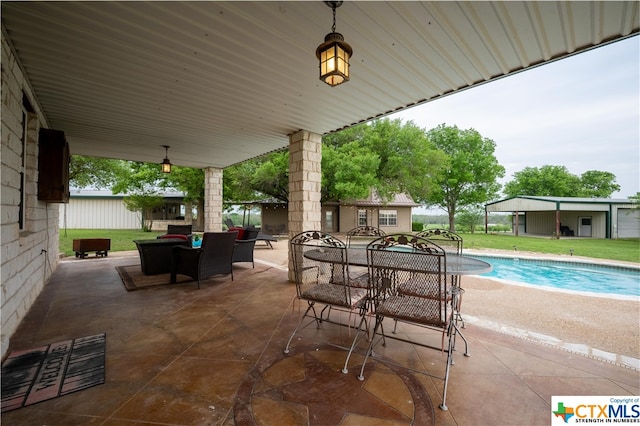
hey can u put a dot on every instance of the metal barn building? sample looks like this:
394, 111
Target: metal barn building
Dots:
569, 216
97, 209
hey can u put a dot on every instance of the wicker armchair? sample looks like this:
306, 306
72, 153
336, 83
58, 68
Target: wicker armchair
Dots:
212, 258
179, 231
244, 246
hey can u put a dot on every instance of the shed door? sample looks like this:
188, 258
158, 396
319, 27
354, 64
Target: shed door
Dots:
328, 223
584, 226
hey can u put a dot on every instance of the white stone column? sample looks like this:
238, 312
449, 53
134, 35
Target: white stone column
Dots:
305, 155
212, 199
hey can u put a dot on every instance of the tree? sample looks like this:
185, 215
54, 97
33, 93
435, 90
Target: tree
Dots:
471, 217
473, 170
547, 180
266, 176
409, 161
348, 172
146, 179
141, 183
94, 172
142, 178
143, 204
385, 155
136, 178
189, 181
598, 184
557, 181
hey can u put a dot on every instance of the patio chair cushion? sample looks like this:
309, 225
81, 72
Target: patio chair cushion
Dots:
417, 310
176, 236
240, 231
335, 295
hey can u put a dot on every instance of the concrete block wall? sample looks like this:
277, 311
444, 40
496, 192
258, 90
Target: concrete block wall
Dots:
29, 255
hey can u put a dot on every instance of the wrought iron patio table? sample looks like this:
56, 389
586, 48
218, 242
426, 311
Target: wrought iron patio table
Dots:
456, 264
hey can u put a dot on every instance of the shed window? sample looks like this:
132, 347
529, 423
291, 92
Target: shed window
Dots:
362, 217
388, 218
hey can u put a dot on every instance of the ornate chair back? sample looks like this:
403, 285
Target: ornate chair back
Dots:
450, 241
363, 235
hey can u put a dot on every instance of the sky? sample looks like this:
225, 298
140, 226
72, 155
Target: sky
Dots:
582, 112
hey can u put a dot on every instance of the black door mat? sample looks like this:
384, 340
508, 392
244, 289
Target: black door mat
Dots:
35, 375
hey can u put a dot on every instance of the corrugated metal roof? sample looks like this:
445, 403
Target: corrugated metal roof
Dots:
530, 202
374, 200
221, 82
99, 193
568, 199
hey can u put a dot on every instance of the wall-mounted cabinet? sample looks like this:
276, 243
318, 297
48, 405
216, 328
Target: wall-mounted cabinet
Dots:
53, 167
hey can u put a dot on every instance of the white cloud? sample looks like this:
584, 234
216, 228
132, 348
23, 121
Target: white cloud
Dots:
582, 112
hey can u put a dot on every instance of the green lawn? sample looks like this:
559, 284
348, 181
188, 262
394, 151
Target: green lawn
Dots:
622, 249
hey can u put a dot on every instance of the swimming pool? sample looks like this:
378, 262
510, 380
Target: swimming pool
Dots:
573, 276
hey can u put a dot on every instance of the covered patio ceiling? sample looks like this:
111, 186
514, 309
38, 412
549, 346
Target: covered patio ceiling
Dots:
222, 82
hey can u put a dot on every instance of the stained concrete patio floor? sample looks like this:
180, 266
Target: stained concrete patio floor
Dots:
177, 355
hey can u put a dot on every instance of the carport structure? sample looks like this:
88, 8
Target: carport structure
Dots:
223, 82
570, 216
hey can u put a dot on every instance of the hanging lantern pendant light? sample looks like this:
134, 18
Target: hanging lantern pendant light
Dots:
334, 54
166, 164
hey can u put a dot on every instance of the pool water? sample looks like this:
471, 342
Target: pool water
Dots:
572, 276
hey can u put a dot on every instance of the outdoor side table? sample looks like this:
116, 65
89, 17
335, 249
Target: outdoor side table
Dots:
100, 245
155, 255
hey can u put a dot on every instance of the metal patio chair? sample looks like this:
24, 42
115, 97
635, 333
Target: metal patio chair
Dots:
360, 237
451, 242
409, 285
324, 280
